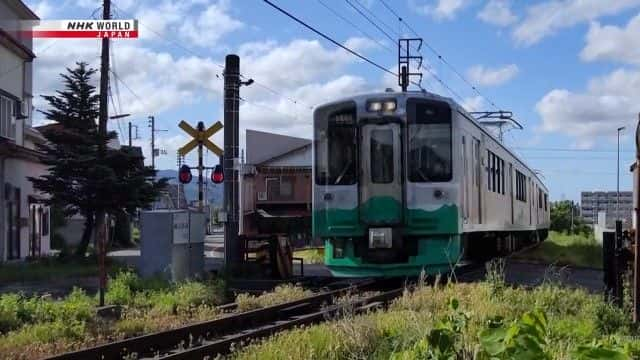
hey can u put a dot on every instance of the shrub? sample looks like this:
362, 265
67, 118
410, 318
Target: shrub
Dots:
281, 294
10, 311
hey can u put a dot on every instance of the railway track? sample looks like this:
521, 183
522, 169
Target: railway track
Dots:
217, 336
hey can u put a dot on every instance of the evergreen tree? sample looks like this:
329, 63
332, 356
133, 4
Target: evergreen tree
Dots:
77, 182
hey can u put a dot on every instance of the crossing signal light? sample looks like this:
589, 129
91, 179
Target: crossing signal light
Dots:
185, 174
217, 176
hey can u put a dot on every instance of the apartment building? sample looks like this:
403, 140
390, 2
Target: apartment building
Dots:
593, 202
24, 219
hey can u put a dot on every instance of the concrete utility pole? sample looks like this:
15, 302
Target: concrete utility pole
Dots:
152, 125
232, 248
101, 236
636, 245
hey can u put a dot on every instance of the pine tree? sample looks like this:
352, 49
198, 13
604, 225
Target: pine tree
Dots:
76, 182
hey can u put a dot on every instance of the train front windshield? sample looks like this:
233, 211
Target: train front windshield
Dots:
429, 142
336, 160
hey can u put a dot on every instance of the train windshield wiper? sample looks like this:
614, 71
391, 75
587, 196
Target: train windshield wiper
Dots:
342, 173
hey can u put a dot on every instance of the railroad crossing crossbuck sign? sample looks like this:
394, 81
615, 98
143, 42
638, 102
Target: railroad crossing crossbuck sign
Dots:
200, 135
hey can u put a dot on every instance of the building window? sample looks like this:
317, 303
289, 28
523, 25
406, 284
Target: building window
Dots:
286, 187
7, 120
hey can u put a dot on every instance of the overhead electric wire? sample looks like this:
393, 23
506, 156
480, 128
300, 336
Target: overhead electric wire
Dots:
328, 38
363, 32
371, 21
192, 52
441, 57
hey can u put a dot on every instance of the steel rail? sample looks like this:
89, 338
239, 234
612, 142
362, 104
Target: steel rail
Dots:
166, 341
224, 345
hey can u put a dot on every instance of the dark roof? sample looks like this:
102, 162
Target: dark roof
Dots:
22, 9
12, 43
262, 146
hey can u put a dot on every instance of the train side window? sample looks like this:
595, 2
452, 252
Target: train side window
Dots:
336, 151
539, 199
546, 201
521, 186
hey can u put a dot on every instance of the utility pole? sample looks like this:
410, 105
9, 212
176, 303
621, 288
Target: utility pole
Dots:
152, 124
129, 133
101, 236
200, 169
232, 83
618, 178
636, 245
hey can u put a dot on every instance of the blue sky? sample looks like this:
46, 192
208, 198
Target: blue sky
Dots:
568, 69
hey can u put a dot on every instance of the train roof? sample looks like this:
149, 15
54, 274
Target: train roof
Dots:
432, 96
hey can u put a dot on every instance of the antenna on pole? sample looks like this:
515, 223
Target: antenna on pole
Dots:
405, 59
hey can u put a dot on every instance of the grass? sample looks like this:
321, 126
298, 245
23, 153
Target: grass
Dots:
49, 269
467, 321
311, 255
40, 326
564, 249
279, 295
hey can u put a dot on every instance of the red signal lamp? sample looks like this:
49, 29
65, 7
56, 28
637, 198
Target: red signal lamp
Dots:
217, 176
184, 175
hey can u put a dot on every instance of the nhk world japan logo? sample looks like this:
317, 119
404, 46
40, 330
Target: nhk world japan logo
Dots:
113, 29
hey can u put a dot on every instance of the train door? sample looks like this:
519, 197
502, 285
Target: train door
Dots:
477, 168
511, 199
465, 181
381, 183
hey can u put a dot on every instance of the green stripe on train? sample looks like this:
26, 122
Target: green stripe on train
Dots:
436, 254
349, 222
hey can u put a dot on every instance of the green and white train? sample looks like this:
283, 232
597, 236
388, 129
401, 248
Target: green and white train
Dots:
405, 182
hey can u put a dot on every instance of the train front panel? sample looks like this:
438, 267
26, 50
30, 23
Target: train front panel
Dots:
385, 193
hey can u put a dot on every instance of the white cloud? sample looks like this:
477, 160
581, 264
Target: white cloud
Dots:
613, 43
440, 9
498, 12
42, 8
211, 25
547, 18
609, 102
475, 103
485, 76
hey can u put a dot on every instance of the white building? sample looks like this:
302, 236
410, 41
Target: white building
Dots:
24, 221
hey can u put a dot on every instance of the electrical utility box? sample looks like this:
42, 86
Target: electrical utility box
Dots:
172, 244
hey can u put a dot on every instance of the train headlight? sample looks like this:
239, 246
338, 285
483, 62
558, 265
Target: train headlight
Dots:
375, 106
389, 106
382, 105
380, 238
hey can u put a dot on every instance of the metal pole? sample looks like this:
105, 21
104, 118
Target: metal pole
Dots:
129, 133
636, 245
200, 169
102, 131
152, 120
232, 248
618, 177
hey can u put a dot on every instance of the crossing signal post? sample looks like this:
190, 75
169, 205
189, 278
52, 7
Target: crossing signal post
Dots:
200, 140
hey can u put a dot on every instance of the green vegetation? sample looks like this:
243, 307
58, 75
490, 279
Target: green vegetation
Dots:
563, 221
50, 269
33, 327
563, 249
279, 295
76, 182
310, 255
485, 320
39, 326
